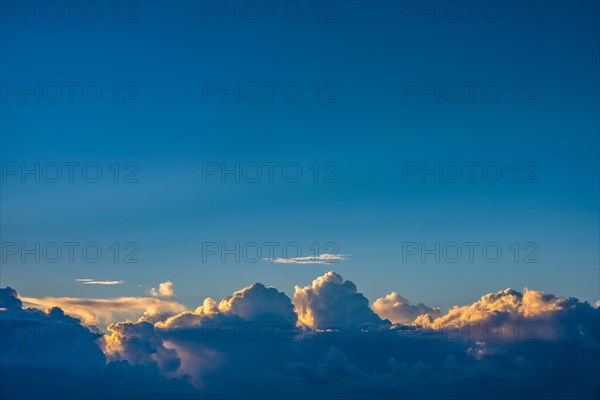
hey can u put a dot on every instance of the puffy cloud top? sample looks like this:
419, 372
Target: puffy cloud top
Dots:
398, 309
257, 301
253, 303
331, 302
139, 344
9, 299
165, 289
506, 303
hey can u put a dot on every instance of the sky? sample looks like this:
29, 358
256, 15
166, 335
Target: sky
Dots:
388, 90
298, 199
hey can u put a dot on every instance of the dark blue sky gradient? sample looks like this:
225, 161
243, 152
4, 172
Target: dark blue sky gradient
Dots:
368, 133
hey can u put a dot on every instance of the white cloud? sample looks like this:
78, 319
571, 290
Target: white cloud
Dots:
512, 316
252, 303
398, 309
165, 289
258, 300
87, 281
320, 259
332, 302
505, 303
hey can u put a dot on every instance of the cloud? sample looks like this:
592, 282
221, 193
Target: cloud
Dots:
507, 344
139, 344
26, 334
106, 311
51, 355
500, 306
252, 303
398, 309
9, 300
509, 321
331, 302
320, 259
93, 282
257, 301
165, 289
230, 333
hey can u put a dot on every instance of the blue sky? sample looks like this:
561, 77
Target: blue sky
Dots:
368, 55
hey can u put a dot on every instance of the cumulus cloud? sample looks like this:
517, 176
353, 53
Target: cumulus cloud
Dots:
497, 307
253, 303
48, 354
229, 334
331, 302
165, 289
398, 309
320, 259
512, 322
9, 300
139, 344
106, 311
539, 346
259, 301
26, 333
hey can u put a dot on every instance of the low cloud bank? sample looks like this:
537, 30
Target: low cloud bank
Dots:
325, 341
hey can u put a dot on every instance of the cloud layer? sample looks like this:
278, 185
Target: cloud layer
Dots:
326, 342
105, 311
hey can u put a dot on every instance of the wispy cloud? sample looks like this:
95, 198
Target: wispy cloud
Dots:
106, 311
320, 259
86, 281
